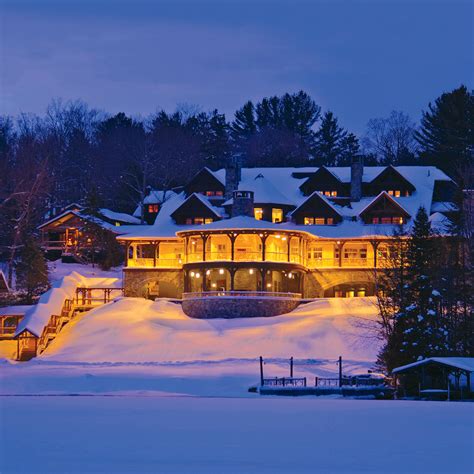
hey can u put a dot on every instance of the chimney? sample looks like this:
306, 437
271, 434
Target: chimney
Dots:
233, 175
357, 170
242, 204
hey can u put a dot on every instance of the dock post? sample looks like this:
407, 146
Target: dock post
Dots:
291, 366
261, 371
340, 371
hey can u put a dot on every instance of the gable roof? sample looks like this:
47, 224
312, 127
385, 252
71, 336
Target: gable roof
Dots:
314, 176
391, 169
312, 197
462, 363
202, 200
381, 195
207, 173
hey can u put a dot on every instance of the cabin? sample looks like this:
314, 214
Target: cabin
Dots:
442, 378
66, 234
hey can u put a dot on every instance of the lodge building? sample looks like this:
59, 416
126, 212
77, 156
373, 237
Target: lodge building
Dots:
279, 234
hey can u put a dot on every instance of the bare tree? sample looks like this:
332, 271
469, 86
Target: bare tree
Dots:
391, 139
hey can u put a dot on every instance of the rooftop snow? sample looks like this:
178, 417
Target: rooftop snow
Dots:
463, 363
119, 216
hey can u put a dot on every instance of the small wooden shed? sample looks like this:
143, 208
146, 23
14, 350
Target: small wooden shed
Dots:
437, 377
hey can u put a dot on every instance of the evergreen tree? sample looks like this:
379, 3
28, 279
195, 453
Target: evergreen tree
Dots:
334, 146
446, 135
418, 329
244, 125
31, 270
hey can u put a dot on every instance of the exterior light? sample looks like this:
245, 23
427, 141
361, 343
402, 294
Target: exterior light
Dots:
213, 285
208, 272
221, 271
290, 275
283, 238
193, 242
338, 242
192, 274
260, 235
269, 285
198, 275
277, 236
251, 271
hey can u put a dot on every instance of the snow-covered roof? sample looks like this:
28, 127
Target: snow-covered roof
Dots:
281, 186
323, 198
462, 363
264, 191
390, 198
17, 310
155, 196
119, 216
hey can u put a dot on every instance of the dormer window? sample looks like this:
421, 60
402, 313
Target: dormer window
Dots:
213, 193
398, 193
153, 208
328, 193
258, 213
277, 215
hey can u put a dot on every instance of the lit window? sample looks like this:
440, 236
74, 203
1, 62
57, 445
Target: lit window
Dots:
308, 221
334, 193
375, 220
386, 220
210, 193
407, 193
330, 221
397, 193
258, 212
397, 220
319, 220
117, 224
189, 221
208, 221
277, 215
327, 193
153, 208
219, 193
199, 220
390, 192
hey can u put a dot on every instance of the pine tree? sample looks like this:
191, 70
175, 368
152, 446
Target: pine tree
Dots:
31, 270
329, 141
446, 135
244, 124
424, 331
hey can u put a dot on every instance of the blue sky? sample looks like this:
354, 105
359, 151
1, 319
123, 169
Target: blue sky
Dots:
360, 59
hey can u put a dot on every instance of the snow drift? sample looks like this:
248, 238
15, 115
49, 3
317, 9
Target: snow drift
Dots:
139, 330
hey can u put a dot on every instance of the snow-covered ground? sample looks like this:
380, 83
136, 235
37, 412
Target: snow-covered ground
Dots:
228, 435
58, 270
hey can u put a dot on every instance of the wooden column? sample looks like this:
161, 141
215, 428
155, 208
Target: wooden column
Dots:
204, 238
232, 275
264, 240
156, 253
232, 238
375, 245
288, 248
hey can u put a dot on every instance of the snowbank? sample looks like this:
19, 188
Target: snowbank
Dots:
139, 330
52, 301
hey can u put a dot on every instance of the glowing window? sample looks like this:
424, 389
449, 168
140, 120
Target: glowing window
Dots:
277, 215
319, 220
153, 208
397, 220
258, 212
334, 193
189, 221
220, 193
308, 220
327, 193
207, 221
330, 221
397, 193
375, 220
390, 192
386, 220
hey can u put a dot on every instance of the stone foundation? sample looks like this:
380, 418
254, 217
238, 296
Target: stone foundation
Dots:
153, 283
243, 307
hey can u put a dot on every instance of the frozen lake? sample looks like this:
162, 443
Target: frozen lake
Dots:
173, 434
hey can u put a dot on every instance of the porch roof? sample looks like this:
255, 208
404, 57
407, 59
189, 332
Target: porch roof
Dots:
460, 363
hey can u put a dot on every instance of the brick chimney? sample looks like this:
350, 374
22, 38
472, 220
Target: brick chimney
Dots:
242, 204
357, 170
233, 175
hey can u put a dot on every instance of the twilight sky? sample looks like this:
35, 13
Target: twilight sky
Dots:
360, 59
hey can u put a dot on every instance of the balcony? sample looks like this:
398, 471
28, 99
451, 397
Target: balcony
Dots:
151, 263
246, 294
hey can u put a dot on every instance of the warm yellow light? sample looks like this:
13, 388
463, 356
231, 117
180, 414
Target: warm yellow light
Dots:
198, 275
208, 272
221, 271
251, 271
277, 236
213, 285
269, 285
261, 235
283, 238
192, 274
